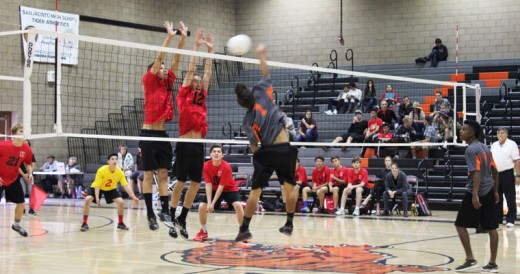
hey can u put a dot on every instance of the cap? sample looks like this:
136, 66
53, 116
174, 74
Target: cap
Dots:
416, 105
358, 111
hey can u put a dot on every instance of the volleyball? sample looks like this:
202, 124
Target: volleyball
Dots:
240, 44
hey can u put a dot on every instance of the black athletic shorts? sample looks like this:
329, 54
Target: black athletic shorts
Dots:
279, 158
109, 195
229, 197
486, 215
189, 161
14, 192
156, 154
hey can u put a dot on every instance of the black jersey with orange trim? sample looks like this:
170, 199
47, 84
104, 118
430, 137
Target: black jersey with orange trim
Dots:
264, 121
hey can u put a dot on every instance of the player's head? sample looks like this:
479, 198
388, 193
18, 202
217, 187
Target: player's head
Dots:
17, 129
162, 71
216, 152
356, 162
470, 130
112, 159
196, 82
319, 161
335, 161
388, 162
245, 97
395, 169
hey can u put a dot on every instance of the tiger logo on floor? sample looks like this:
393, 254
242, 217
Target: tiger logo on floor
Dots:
341, 258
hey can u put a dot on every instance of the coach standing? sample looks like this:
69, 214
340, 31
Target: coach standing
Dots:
505, 154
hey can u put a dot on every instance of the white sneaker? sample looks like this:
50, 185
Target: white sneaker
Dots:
356, 211
340, 211
328, 112
335, 112
510, 225
445, 145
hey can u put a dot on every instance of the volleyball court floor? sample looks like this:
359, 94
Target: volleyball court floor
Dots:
325, 244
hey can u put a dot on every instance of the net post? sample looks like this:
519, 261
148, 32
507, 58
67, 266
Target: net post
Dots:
27, 90
58, 125
478, 94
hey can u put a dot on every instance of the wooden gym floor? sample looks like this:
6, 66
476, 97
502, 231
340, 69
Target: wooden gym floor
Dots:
325, 244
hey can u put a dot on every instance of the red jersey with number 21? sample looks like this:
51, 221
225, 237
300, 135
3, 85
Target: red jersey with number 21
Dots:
11, 157
191, 105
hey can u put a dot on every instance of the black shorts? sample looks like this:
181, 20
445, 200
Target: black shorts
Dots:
14, 192
189, 161
279, 158
229, 197
109, 195
156, 154
486, 215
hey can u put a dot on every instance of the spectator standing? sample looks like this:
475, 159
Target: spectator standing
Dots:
369, 96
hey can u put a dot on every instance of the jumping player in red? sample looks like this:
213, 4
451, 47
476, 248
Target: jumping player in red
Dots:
12, 155
220, 185
264, 123
191, 104
158, 109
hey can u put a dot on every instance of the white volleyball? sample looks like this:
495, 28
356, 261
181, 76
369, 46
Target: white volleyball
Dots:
239, 45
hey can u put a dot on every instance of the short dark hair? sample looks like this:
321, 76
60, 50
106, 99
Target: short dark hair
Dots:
215, 146
284, 110
298, 160
429, 119
111, 155
356, 159
475, 126
334, 157
438, 40
438, 92
319, 157
151, 65
245, 98
503, 129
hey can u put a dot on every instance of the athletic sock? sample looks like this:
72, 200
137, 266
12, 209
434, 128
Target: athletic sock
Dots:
149, 207
204, 228
120, 217
305, 204
164, 204
245, 224
172, 212
17, 223
85, 219
184, 214
290, 217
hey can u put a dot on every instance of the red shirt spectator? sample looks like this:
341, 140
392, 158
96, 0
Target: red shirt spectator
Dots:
321, 177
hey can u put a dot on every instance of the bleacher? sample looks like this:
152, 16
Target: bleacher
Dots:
441, 178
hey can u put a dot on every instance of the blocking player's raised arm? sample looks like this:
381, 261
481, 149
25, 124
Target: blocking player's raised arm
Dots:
191, 67
162, 55
208, 40
183, 30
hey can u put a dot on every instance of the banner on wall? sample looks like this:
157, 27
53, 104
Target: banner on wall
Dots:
44, 49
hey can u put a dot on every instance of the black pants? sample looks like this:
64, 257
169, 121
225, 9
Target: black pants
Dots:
506, 188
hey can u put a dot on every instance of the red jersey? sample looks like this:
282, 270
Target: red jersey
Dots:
342, 174
158, 104
383, 135
301, 175
357, 178
192, 110
372, 124
11, 157
321, 177
219, 175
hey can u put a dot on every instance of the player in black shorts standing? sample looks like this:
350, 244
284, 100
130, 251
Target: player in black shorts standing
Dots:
264, 124
479, 204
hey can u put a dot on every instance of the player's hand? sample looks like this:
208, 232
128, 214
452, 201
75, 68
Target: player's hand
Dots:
199, 37
98, 202
136, 201
476, 202
517, 180
30, 178
25, 177
209, 41
183, 29
211, 208
261, 51
169, 28
1, 181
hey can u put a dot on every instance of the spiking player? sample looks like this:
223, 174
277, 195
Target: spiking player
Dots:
105, 184
191, 104
264, 124
158, 109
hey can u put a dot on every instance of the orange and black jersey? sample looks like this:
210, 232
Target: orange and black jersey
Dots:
264, 121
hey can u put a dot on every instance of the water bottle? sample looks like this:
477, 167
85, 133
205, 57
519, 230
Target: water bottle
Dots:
414, 209
67, 169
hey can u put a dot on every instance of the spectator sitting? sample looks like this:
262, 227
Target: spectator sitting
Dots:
289, 126
321, 184
374, 126
353, 98
396, 183
385, 136
390, 95
404, 109
379, 187
429, 137
302, 186
439, 53
405, 133
49, 180
418, 118
69, 179
444, 126
369, 96
338, 102
308, 131
438, 102
125, 161
357, 181
387, 114
355, 133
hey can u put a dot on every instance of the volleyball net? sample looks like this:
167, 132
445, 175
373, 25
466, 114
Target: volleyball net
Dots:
94, 90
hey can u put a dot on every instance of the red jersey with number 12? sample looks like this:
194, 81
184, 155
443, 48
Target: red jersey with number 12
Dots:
191, 105
11, 157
